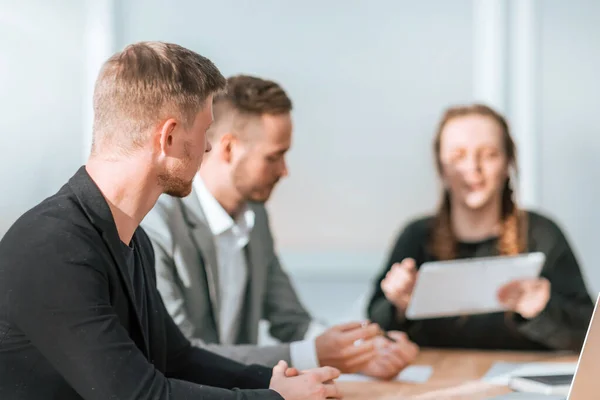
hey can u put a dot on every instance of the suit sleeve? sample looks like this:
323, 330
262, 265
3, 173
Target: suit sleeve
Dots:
249, 353
380, 310
563, 324
289, 321
166, 273
60, 301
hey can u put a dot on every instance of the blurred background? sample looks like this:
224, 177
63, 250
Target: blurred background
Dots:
369, 80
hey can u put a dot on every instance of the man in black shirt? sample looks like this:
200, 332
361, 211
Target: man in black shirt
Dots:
80, 315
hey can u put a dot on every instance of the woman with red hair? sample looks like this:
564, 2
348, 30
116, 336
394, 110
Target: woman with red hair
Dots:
478, 216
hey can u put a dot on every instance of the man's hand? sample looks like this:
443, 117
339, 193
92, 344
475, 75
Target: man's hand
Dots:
392, 357
399, 282
312, 384
527, 297
347, 347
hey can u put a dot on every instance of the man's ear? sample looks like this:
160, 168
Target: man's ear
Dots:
227, 144
167, 135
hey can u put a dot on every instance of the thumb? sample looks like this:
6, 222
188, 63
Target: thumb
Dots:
409, 264
280, 368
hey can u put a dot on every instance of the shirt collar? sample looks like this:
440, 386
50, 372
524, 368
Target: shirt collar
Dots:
218, 219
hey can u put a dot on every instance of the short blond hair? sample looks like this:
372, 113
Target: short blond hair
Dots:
145, 83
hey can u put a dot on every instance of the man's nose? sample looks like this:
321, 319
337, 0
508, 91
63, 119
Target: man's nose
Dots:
284, 169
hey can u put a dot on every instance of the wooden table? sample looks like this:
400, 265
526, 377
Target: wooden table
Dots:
456, 375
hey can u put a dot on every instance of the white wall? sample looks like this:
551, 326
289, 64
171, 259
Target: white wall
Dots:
570, 124
368, 80
40, 98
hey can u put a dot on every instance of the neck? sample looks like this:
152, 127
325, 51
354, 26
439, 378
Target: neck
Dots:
128, 188
218, 185
472, 225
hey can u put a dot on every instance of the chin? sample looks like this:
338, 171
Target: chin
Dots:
477, 201
260, 197
180, 190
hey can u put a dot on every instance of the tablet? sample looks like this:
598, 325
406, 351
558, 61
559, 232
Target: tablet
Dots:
543, 384
468, 286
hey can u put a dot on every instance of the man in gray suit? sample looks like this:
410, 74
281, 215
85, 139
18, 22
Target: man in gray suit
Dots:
218, 271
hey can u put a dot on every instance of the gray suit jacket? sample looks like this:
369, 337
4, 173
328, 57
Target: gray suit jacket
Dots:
187, 274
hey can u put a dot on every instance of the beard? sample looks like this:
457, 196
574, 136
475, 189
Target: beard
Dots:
174, 185
173, 181
249, 191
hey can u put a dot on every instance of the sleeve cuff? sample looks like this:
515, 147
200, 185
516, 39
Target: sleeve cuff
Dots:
315, 329
303, 354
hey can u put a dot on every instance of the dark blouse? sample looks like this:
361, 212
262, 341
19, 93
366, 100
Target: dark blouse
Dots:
562, 325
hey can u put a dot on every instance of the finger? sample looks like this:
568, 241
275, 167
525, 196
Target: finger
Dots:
280, 368
324, 374
398, 336
402, 353
291, 372
360, 361
512, 285
400, 280
348, 326
362, 333
332, 391
407, 347
510, 302
357, 349
386, 369
509, 289
409, 264
396, 362
391, 288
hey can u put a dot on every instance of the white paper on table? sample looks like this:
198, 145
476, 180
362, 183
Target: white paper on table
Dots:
412, 374
501, 372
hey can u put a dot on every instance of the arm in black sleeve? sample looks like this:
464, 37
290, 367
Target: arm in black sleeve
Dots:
59, 298
563, 323
201, 366
407, 245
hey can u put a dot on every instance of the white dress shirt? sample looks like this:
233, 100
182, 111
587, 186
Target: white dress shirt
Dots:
231, 236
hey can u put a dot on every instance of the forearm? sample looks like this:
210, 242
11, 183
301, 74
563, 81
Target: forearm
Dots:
562, 325
384, 313
201, 366
248, 354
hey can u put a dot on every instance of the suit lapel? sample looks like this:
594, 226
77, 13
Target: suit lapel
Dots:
97, 210
203, 240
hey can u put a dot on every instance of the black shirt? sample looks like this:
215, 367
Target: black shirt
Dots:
69, 325
138, 283
561, 325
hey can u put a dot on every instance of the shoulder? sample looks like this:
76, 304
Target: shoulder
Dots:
261, 215
47, 239
541, 226
259, 209
52, 220
166, 207
414, 234
158, 223
418, 227
261, 232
